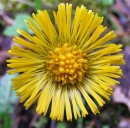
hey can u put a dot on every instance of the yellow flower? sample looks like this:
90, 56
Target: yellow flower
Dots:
62, 65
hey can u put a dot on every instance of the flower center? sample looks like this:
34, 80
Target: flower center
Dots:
67, 64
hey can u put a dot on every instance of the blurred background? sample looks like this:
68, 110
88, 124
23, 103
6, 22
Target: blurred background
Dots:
114, 114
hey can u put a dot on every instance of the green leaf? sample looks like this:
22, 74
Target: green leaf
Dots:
7, 95
61, 125
19, 23
10, 31
80, 123
42, 121
105, 126
7, 99
38, 5
21, 17
7, 121
107, 2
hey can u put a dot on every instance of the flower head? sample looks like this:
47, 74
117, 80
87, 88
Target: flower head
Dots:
64, 64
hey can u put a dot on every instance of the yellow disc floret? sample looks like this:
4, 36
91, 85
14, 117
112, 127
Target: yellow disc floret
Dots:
67, 64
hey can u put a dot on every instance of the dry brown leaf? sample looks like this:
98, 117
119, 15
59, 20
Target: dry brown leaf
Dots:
124, 123
117, 22
122, 6
119, 97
